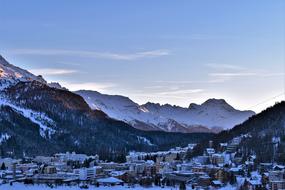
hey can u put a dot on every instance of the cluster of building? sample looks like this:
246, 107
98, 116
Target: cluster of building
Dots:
215, 169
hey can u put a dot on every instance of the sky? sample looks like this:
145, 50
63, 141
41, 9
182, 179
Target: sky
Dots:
163, 51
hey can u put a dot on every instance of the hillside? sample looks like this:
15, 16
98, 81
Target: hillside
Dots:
262, 135
37, 118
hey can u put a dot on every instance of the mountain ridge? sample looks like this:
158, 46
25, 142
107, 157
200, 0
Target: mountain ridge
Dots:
166, 117
37, 119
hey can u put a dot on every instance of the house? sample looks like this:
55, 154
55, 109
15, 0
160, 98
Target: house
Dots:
197, 169
236, 171
137, 168
150, 170
204, 181
185, 167
218, 159
221, 175
223, 147
216, 183
202, 159
86, 173
124, 176
210, 151
277, 180
253, 184
175, 179
49, 170
278, 167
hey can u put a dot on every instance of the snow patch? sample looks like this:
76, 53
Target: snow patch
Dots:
20, 186
145, 141
4, 137
36, 117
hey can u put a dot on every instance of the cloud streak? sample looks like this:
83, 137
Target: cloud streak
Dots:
52, 72
93, 54
233, 74
181, 92
225, 72
101, 87
224, 66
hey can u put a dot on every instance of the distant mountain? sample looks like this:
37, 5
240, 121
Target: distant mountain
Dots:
41, 119
262, 135
213, 115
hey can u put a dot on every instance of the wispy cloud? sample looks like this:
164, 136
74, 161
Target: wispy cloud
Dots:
224, 66
51, 72
93, 54
175, 94
198, 37
226, 72
178, 81
101, 87
235, 74
181, 92
245, 74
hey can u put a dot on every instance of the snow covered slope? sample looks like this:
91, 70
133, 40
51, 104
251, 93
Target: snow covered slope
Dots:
213, 115
37, 118
10, 74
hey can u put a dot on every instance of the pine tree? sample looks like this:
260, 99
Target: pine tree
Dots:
3, 167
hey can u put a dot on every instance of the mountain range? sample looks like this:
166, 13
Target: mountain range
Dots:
37, 118
40, 118
214, 115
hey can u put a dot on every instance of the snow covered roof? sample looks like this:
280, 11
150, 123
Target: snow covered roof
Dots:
109, 180
255, 182
217, 182
235, 169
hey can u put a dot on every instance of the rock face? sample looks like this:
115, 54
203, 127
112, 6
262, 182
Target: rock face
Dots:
36, 119
213, 115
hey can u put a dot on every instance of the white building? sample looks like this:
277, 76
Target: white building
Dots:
86, 173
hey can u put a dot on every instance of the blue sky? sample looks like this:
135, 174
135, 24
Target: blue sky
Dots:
163, 51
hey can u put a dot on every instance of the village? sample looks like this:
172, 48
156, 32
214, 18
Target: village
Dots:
215, 169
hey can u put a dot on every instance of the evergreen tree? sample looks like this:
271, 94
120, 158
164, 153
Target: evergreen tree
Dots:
3, 167
177, 157
182, 186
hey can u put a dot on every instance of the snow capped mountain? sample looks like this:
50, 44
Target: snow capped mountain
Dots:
211, 116
212, 113
122, 108
37, 118
10, 74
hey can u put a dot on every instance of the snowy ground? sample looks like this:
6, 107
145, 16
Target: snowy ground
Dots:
20, 186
